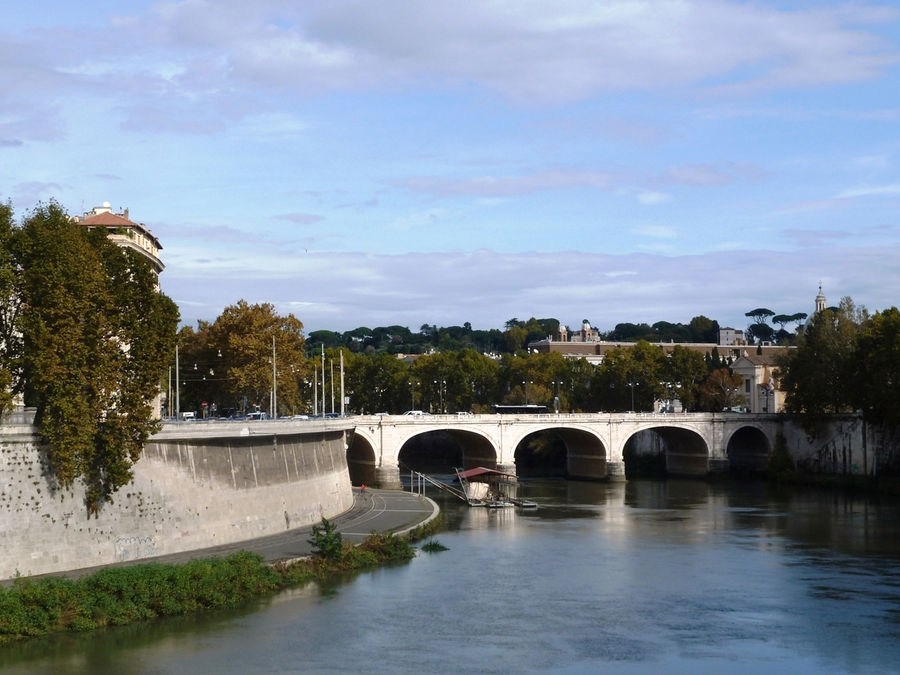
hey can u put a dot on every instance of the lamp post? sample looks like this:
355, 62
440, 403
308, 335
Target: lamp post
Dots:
525, 384
633, 384
440, 385
555, 384
412, 395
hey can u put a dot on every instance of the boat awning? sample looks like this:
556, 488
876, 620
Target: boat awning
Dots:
483, 471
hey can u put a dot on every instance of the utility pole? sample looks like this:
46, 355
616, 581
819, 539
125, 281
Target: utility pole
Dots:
274, 383
177, 386
343, 400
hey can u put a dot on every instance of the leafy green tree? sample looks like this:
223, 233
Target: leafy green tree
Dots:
722, 390
377, 383
819, 375
630, 378
245, 334
97, 336
704, 329
10, 335
761, 332
877, 362
575, 392
686, 370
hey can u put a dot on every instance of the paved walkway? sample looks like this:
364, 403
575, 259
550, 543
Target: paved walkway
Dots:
373, 511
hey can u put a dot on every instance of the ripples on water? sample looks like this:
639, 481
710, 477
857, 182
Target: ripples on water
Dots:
677, 576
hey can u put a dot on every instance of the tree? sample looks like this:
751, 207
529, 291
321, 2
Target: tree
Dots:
703, 329
377, 383
760, 314
686, 370
761, 332
630, 378
10, 335
245, 335
877, 360
722, 390
819, 375
97, 335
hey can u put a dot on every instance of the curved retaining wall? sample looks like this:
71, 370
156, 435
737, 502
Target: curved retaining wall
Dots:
195, 486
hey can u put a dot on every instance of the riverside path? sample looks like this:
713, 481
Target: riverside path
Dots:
373, 511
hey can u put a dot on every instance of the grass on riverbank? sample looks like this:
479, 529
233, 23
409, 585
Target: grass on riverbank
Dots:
118, 596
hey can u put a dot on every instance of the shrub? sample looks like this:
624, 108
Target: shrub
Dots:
326, 541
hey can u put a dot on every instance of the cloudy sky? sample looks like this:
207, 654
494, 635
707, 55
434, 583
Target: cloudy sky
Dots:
374, 163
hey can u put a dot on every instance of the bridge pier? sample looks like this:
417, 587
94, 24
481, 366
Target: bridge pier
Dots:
586, 466
719, 465
615, 472
388, 478
507, 468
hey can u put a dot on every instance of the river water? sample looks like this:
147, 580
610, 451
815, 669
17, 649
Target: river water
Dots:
665, 577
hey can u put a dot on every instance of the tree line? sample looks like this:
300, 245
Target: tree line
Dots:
252, 358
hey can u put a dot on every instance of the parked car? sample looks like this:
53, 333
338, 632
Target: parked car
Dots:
256, 416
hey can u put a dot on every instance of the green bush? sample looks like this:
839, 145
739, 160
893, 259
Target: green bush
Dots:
433, 546
122, 595
326, 541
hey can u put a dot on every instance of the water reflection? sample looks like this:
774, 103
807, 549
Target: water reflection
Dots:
668, 576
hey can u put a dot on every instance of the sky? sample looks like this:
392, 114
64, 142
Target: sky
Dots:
380, 163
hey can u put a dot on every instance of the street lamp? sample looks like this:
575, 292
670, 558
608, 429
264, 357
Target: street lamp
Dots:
440, 384
525, 384
412, 395
633, 385
555, 384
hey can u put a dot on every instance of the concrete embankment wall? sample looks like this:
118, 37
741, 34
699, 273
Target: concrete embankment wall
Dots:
195, 486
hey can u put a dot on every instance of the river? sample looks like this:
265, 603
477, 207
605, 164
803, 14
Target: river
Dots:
674, 576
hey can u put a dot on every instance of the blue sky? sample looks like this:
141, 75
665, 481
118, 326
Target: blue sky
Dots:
362, 163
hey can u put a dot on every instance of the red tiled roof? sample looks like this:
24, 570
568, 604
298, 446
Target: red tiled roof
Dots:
108, 219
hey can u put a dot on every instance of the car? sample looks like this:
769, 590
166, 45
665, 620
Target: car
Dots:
417, 413
188, 416
257, 416
300, 417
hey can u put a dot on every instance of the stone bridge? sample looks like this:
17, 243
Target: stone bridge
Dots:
596, 444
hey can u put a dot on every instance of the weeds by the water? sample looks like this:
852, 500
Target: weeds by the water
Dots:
433, 546
121, 595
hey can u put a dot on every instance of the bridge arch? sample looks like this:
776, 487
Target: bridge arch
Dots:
580, 454
748, 450
361, 461
457, 448
672, 450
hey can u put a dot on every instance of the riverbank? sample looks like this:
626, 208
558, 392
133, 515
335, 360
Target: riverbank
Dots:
116, 596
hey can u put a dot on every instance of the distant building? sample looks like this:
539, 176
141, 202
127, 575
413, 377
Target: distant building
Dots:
731, 336
594, 352
587, 333
761, 388
124, 232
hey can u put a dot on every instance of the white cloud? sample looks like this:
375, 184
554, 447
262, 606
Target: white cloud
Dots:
871, 191
652, 197
656, 231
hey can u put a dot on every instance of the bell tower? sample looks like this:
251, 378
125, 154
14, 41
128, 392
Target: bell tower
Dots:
820, 300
